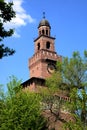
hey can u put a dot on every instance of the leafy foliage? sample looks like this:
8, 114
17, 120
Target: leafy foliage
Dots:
14, 86
75, 78
74, 71
70, 80
6, 15
20, 110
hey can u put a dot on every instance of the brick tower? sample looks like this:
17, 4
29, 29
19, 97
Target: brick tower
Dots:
42, 63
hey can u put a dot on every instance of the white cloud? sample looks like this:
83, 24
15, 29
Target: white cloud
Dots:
21, 19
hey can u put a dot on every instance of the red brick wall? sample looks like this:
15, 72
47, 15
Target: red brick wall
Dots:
43, 40
38, 63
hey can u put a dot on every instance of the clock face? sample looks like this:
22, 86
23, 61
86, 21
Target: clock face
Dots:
51, 68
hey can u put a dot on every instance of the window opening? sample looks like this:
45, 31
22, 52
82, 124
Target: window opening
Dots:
46, 32
43, 32
38, 46
39, 32
48, 45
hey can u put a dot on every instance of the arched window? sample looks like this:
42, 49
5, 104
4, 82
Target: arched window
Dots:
46, 32
38, 46
48, 45
39, 33
43, 32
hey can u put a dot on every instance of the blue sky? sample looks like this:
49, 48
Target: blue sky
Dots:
68, 20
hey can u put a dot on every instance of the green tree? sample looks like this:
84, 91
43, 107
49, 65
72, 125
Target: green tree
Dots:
78, 109
13, 86
74, 71
70, 80
6, 15
74, 74
21, 111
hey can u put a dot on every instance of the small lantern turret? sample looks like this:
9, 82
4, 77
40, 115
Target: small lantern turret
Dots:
44, 27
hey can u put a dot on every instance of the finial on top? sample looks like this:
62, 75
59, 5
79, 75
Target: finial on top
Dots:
43, 15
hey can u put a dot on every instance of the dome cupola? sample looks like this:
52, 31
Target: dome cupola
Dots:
44, 26
44, 22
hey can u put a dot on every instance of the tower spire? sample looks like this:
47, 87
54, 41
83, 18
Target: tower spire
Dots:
43, 15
